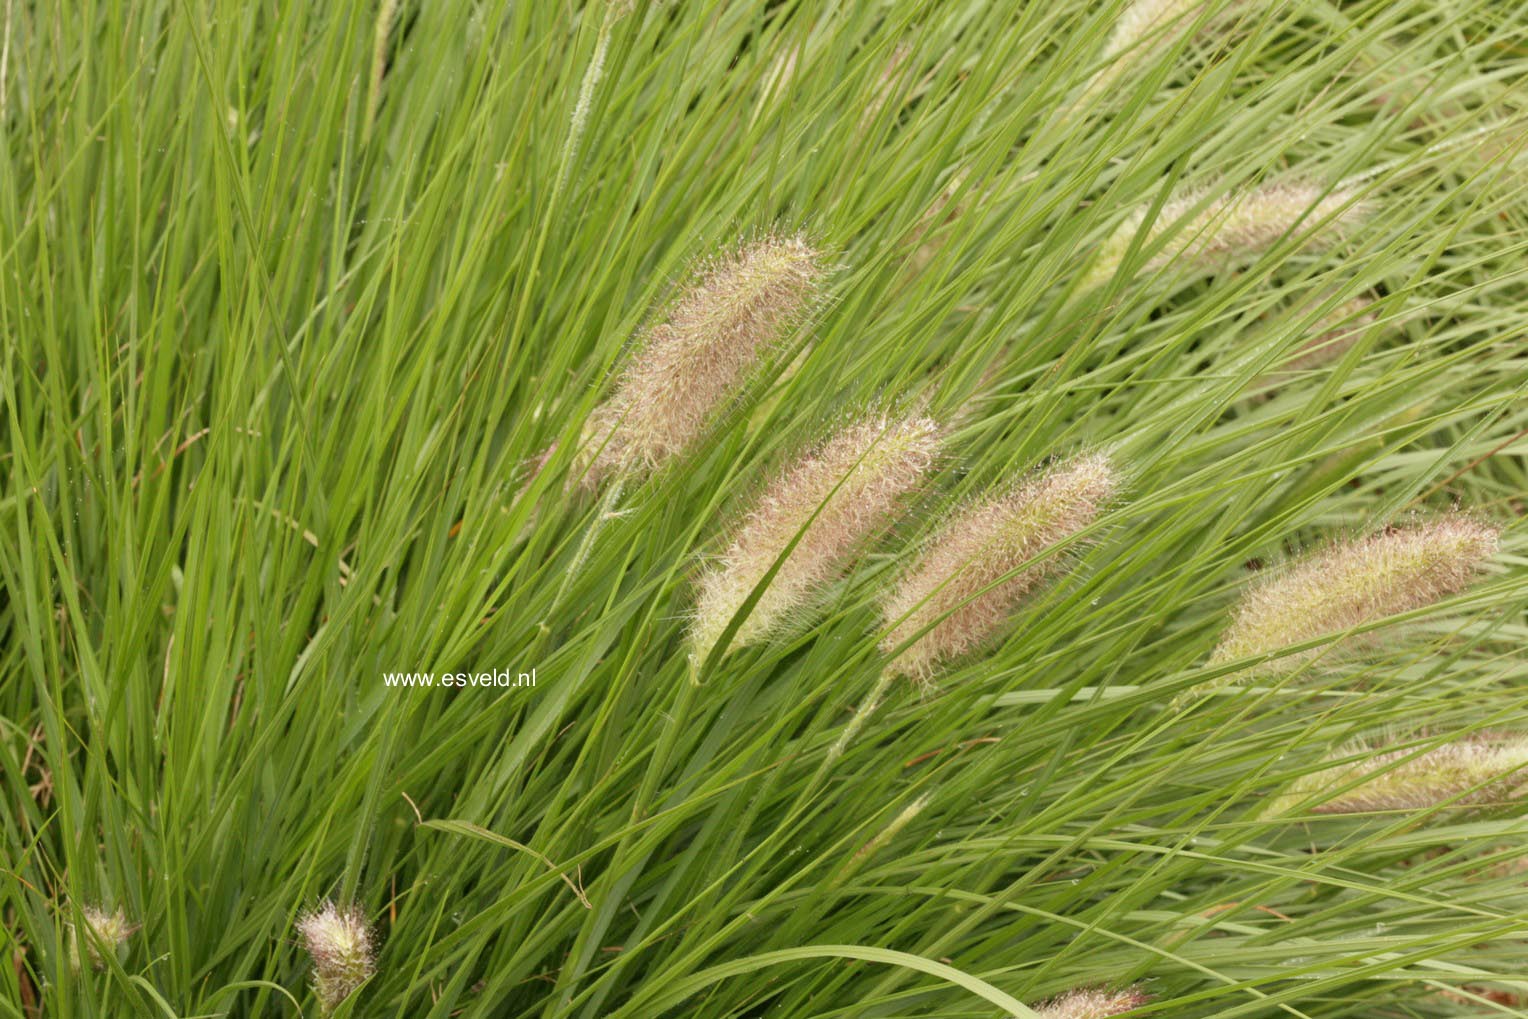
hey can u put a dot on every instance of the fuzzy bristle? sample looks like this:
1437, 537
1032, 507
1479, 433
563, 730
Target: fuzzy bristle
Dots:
339, 941
858, 478
1353, 584
1092, 1003
1232, 226
105, 929
1470, 772
688, 366
992, 538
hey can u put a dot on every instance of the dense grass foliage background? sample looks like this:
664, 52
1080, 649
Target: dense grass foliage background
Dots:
296, 298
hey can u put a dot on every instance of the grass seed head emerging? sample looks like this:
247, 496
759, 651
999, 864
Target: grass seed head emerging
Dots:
1469, 772
108, 929
1353, 584
690, 364
339, 940
952, 581
1092, 1003
858, 478
1231, 227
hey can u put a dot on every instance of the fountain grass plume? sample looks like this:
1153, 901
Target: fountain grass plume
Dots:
1092, 1003
1475, 771
1207, 234
835, 498
339, 940
955, 591
690, 364
1353, 584
101, 930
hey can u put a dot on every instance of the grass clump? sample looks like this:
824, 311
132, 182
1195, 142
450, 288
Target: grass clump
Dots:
319, 322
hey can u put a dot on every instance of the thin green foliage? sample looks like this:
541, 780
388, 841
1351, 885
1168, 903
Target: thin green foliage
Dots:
304, 312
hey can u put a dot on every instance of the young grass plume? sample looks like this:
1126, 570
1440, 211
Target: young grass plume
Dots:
1335, 334
1092, 1003
951, 586
1143, 26
108, 930
690, 364
1232, 226
1469, 772
841, 494
339, 941
1352, 584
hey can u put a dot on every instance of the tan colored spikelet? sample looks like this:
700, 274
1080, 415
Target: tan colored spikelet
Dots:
1470, 772
693, 362
1352, 584
858, 477
1092, 1003
108, 930
338, 939
983, 543
1232, 226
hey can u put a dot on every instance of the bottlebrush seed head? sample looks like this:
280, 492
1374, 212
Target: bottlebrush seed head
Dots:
877, 460
954, 575
689, 365
1092, 1003
105, 929
1354, 583
1471, 772
339, 940
1232, 226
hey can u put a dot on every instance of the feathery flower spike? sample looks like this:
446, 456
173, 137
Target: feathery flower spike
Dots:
1352, 584
858, 478
1470, 772
339, 940
954, 576
1231, 226
108, 929
689, 365
1092, 1003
